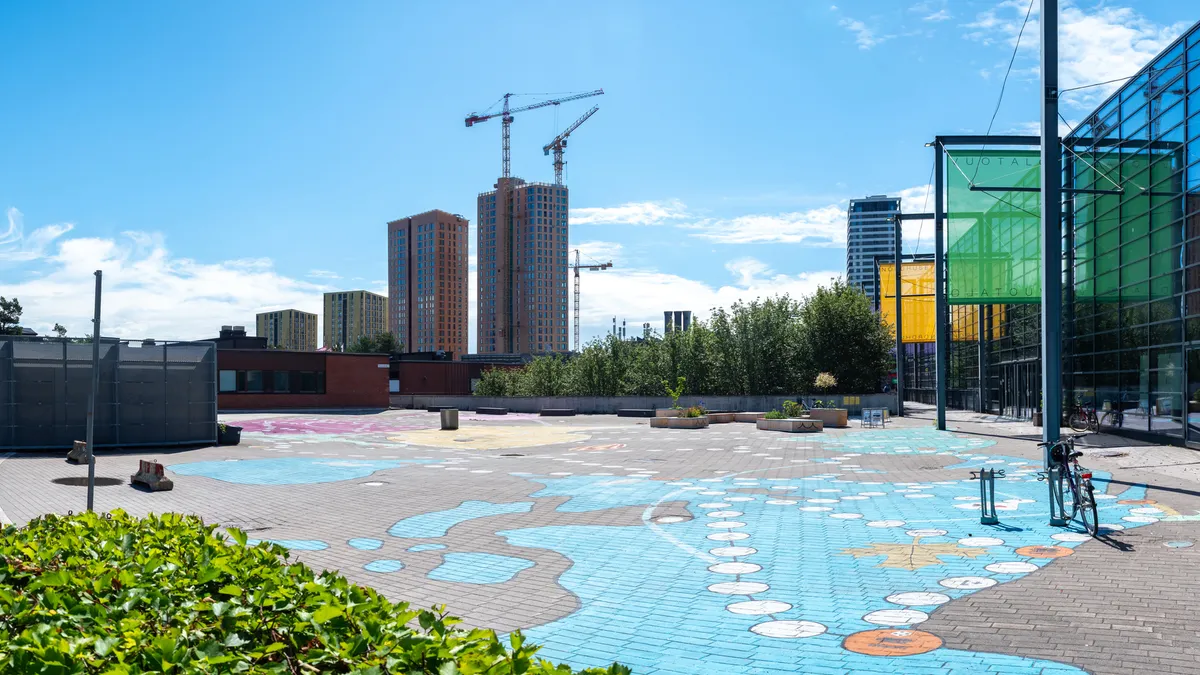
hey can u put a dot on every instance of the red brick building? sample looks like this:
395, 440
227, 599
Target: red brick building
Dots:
274, 379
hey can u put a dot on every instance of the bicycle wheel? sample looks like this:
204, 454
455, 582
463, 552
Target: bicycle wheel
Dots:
1071, 509
1087, 510
1110, 419
1078, 421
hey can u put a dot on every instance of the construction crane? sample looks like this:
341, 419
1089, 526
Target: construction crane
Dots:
560, 143
506, 119
577, 266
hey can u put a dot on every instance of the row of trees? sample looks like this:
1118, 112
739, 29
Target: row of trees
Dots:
765, 347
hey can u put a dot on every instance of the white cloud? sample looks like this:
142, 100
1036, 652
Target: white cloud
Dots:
596, 252
864, 37
148, 293
746, 270
324, 274
1097, 44
823, 226
940, 15
632, 213
16, 246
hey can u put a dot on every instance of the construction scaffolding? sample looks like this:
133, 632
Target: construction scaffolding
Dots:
151, 393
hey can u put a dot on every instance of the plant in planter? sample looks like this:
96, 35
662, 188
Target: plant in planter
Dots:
227, 434
694, 411
794, 409
825, 410
676, 392
774, 415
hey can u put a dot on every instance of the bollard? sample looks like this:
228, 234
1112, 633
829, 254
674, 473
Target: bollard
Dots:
987, 497
151, 474
449, 419
78, 453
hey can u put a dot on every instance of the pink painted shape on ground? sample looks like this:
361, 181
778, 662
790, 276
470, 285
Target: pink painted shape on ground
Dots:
325, 425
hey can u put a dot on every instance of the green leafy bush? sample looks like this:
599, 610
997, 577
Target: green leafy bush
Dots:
694, 411
676, 392
167, 594
774, 415
793, 409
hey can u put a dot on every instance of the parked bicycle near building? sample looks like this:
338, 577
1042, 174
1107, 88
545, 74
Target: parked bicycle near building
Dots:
1078, 480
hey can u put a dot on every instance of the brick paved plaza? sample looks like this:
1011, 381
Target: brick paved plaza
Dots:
715, 551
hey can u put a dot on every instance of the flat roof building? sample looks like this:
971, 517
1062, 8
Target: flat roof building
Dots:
350, 315
870, 234
427, 282
288, 329
522, 262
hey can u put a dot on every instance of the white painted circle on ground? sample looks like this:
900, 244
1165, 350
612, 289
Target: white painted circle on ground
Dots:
738, 588
827, 490
873, 494
788, 629
728, 536
926, 532
758, 607
666, 520
854, 498
676, 483
781, 502
693, 488
1011, 568
1112, 526
886, 523
1139, 519
739, 499
846, 516
821, 501
919, 495
896, 617
713, 505
723, 514
1147, 511
1071, 536
1103, 497
918, 598
726, 524
732, 551
734, 568
968, 583
711, 480
980, 542
815, 508
711, 493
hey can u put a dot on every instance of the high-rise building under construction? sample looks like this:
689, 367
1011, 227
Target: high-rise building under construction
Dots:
522, 268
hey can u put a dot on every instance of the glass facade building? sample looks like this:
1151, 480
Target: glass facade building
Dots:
1131, 282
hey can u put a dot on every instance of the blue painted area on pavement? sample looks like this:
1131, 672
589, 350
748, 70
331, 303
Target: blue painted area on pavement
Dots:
426, 547
479, 568
364, 544
437, 523
382, 566
832, 572
289, 470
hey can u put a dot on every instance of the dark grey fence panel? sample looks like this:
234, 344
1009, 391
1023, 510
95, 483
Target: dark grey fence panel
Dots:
162, 394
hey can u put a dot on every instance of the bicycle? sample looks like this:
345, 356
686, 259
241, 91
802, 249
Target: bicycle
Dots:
1083, 418
1079, 479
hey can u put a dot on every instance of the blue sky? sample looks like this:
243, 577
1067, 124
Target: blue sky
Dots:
225, 158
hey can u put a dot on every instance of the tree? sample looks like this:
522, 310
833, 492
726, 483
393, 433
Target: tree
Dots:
60, 330
379, 343
10, 316
843, 337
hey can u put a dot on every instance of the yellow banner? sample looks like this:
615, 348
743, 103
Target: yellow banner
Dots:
917, 304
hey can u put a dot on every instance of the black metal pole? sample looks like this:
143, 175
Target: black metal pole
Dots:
899, 224
939, 281
1051, 243
91, 414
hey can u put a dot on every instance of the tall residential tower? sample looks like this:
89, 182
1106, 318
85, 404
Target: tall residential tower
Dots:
350, 315
427, 282
288, 329
870, 234
522, 249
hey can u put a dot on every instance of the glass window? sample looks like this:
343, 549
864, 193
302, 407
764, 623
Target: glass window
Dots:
227, 381
308, 382
254, 380
281, 382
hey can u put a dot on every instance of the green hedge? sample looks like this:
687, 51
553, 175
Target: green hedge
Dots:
168, 594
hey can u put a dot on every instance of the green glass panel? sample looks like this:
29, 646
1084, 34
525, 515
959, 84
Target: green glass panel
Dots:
993, 252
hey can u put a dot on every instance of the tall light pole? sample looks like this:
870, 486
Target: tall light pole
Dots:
1051, 249
91, 414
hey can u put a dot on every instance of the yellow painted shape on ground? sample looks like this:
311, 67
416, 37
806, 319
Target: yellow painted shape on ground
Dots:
913, 556
492, 438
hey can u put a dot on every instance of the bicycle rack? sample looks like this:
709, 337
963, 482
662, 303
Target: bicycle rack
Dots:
987, 497
1054, 480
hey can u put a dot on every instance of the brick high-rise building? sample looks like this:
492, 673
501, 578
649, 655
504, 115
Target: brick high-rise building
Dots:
288, 329
350, 315
522, 250
427, 281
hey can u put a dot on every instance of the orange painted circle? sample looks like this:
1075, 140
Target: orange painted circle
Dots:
892, 642
1136, 501
1044, 551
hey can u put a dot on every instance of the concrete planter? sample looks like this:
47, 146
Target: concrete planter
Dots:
831, 417
721, 417
750, 417
680, 422
795, 425
668, 412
